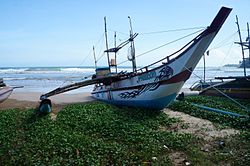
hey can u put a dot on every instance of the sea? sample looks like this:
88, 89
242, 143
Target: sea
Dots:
45, 79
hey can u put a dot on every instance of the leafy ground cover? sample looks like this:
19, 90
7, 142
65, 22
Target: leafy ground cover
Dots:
100, 134
236, 149
214, 102
89, 134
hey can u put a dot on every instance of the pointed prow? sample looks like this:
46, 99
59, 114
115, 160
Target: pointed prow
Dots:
219, 20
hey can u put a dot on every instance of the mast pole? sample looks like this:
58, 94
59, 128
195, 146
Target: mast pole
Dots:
115, 52
132, 46
242, 49
94, 57
204, 72
106, 38
248, 36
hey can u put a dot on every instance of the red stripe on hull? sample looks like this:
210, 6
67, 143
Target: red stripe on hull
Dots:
183, 76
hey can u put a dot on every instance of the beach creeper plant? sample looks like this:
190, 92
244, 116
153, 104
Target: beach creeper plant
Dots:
88, 134
100, 134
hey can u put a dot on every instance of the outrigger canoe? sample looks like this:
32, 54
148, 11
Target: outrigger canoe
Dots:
154, 86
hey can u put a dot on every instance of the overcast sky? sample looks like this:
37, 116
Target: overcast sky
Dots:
63, 32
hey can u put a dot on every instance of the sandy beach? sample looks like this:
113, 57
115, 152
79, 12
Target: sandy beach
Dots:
25, 100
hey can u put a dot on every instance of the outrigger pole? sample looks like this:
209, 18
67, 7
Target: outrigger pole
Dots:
45, 104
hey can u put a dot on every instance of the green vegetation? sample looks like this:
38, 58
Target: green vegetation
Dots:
237, 148
100, 134
214, 102
93, 133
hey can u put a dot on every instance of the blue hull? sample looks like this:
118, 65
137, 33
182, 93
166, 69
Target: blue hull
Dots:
157, 104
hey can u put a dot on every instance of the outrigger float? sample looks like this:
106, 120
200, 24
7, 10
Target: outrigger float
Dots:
5, 91
149, 87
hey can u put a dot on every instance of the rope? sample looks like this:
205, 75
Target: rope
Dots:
125, 34
99, 41
84, 59
100, 57
224, 41
163, 45
172, 30
224, 57
229, 43
157, 32
219, 91
244, 107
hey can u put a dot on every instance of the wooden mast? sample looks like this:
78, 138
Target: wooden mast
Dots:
106, 38
115, 52
242, 49
248, 39
94, 57
132, 46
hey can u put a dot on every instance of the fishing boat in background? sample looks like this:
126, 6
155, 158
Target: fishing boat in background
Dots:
154, 86
234, 87
231, 86
5, 91
247, 63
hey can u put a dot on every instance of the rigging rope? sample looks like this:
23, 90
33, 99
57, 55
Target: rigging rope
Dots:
157, 32
219, 90
75, 71
123, 33
99, 41
163, 45
244, 107
172, 30
223, 41
221, 45
100, 57
84, 59
224, 57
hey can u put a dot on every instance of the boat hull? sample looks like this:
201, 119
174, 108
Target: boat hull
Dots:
157, 87
238, 88
148, 98
153, 89
247, 63
5, 92
232, 92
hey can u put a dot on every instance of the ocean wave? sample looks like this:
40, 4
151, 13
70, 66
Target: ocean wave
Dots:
14, 79
208, 69
43, 78
44, 69
78, 70
12, 70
